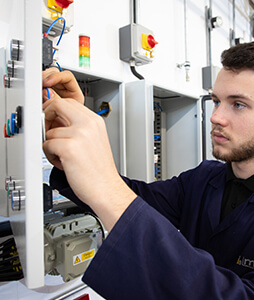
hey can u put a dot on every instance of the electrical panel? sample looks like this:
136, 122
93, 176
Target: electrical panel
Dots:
167, 132
22, 139
137, 43
52, 237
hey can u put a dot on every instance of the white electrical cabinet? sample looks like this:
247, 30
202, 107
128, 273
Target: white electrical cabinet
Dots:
23, 167
162, 131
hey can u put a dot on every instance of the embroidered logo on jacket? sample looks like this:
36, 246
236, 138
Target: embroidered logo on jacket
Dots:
245, 262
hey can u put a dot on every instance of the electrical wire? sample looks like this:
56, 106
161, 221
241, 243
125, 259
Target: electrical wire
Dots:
59, 67
51, 26
48, 92
46, 34
10, 267
62, 32
103, 111
99, 222
157, 105
134, 72
156, 170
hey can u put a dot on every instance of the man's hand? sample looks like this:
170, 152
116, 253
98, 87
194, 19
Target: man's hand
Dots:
81, 148
61, 84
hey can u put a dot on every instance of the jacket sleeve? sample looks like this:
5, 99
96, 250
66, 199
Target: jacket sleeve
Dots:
146, 257
59, 182
164, 196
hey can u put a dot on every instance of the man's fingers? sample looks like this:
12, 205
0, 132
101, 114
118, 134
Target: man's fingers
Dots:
63, 83
67, 110
66, 78
48, 93
51, 149
48, 72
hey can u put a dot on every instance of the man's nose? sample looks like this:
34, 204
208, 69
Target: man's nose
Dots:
219, 116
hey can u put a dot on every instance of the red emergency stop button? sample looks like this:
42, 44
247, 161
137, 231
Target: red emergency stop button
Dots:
64, 3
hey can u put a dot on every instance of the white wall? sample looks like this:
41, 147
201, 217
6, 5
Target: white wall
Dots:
101, 20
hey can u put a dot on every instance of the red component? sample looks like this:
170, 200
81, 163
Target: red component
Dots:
84, 41
83, 297
5, 131
151, 41
64, 3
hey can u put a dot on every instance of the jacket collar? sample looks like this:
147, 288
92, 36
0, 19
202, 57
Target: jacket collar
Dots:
214, 202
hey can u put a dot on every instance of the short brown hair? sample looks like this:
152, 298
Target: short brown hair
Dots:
238, 57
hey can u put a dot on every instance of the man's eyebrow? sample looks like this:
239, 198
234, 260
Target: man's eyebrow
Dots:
234, 96
214, 96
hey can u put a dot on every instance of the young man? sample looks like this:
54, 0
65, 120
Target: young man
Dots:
190, 237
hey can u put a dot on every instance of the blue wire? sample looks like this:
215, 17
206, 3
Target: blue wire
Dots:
50, 27
157, 105
156, 170
59, 67
103, 111
48, 92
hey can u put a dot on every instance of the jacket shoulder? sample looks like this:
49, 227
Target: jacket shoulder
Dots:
205, 171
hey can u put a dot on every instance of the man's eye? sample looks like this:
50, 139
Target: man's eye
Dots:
216, 102
239, 105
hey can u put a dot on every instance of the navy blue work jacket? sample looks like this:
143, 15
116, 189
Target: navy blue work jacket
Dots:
170, 244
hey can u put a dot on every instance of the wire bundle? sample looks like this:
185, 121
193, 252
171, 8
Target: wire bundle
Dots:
10, 267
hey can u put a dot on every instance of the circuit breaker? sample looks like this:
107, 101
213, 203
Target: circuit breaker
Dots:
137, 43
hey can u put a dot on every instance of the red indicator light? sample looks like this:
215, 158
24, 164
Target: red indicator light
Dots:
64, 3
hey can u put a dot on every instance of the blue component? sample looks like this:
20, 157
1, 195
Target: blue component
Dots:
13, 127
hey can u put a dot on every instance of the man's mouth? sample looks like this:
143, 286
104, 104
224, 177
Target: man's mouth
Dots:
218, 137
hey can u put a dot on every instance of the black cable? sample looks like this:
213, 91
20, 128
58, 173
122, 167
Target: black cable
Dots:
99, 222
5, 229
134, 72
10, 267
7, 244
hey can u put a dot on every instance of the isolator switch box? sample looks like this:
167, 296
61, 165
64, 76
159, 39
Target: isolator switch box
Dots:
209, 75
136, 44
